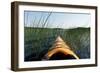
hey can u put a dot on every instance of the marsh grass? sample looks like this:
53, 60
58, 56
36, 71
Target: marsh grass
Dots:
39, 40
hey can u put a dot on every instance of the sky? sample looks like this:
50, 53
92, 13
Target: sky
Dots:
64, 20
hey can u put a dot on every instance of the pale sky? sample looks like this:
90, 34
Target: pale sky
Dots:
56, 19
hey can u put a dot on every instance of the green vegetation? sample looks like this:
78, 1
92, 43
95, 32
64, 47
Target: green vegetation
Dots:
37, 41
